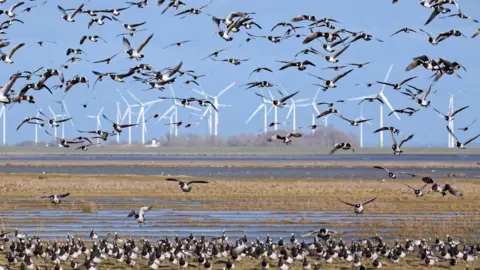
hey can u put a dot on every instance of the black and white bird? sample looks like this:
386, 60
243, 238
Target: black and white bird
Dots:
450, 116
397, 86
393, 175
69, 17
7, 58
403, 30
418, 192
11, 11
136, 53
300, 65
343, 145
280, 102
466, 128
118, 127
140, 215
358, 208
285, 139
56, 197
331, 83
185, 186
459, 144
397, 147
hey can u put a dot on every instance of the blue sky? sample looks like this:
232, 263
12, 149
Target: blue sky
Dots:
379, 18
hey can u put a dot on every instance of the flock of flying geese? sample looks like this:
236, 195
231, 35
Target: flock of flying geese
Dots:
333, 40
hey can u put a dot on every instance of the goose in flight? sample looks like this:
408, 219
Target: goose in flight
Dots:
64, 142
393, 175
459, 144
356, 122
7, 58
135, 53
397, 86
358, 207
467, 127
420, 101
285, 139
281, 102
331, 83
184, 186
31, 120
140, 215
418, 192
55, 198
69, 17
343, 145
450, 116
300, 65
397, 147
392, 129
4, 91
10, 12
118, 127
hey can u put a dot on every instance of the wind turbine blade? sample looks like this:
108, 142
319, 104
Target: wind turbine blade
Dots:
384, 98
199, 92
226, 89
271, 96
301, 100
123, 97
166, 113
53, 114
289, 112
134, 97
255, 112
140, 113
364, 97
387, 77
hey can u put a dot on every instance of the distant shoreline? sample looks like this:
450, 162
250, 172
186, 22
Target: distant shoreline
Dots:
226, 151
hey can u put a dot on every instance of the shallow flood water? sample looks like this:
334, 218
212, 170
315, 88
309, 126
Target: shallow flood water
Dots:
56, 224
239, 172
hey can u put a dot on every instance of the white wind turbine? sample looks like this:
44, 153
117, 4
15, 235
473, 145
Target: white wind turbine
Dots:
118, 117
293, 109
384, 99
451, 109
36, 128
3, 112
172, 111
144, 107
216, 104
54, 116
64, 114
99, 123
315, 111
128, 112
263, 106
361, 125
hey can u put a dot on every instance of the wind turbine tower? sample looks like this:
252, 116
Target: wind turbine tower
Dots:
382, 96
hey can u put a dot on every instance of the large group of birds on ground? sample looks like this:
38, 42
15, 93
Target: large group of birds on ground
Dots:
206, 253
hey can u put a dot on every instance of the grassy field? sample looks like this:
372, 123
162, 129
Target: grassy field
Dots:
393, 198
274, 150
272, 194
247, 264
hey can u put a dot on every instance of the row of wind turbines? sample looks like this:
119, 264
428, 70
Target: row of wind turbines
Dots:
267, 106
211, 116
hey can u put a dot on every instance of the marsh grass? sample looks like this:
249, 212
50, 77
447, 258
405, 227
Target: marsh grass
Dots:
87, 206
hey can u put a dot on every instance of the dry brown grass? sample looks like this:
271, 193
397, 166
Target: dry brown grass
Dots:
251, 194
247, 264
87, 206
